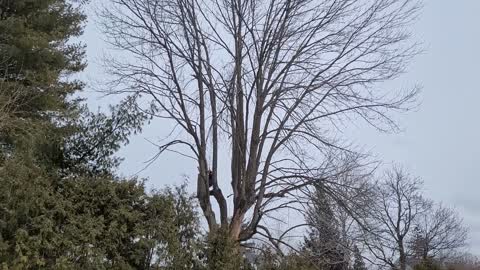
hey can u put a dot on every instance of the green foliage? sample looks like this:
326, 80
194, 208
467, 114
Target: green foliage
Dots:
27, 210
92, 223
222, 252
34, 35
95, 137
427, 265
35, 57
174, 235
270, 260
61, 205
267, 259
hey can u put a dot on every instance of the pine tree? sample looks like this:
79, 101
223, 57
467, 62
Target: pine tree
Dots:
35, 59
358, 263
61, 205
427, 264
323, 243
417, 245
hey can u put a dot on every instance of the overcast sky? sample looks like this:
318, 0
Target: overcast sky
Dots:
440, 141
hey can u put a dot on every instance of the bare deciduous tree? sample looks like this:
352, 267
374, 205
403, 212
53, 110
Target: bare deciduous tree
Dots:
393, 217
272, 80
440, 234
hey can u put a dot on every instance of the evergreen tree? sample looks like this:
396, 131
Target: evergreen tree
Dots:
35, 94
427, 264
358, 263
95, 137
417, 245
93, 223
323, 243
36, 58
61, 205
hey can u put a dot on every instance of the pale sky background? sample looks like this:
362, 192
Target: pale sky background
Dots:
440, 142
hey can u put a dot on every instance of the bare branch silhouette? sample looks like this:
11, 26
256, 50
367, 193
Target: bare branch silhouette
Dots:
270, 80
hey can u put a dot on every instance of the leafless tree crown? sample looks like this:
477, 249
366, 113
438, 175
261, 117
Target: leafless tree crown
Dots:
393, 217
440, 234
273, 80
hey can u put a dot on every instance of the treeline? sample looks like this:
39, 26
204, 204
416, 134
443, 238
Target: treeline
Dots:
61, 204
382, 221
64, 206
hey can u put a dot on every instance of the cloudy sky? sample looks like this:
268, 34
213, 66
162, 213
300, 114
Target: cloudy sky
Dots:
440, 142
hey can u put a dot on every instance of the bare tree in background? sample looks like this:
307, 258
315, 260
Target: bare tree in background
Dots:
393, 217
272, 80
439, 234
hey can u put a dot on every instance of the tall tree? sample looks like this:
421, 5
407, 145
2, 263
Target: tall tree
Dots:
61, 207
35, 57
271, 80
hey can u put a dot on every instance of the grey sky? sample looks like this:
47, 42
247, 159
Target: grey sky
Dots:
440, 142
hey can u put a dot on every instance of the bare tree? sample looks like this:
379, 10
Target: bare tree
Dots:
272, 80
393, 217
439, 234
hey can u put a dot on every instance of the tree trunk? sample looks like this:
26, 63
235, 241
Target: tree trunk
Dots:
403, 258
236, 227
